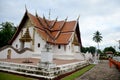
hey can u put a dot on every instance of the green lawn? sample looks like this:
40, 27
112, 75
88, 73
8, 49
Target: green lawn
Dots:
8, 76
78, 73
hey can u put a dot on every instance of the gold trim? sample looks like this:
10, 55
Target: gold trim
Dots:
26, 37
75, 41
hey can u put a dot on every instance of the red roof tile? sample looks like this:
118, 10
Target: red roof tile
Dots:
69, 26
64, 38
52, 31
58, 25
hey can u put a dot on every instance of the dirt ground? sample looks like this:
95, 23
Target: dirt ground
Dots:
101, 71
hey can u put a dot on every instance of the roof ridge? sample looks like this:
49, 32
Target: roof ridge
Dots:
61, 29
42, 23
46, 22
54, 23
45, 29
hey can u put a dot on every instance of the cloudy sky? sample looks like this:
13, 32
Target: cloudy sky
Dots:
101, 15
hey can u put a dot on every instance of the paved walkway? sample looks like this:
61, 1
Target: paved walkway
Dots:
101, 71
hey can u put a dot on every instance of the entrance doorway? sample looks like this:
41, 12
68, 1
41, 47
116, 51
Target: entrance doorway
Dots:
9, 54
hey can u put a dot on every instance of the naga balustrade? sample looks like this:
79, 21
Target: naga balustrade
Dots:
115, 61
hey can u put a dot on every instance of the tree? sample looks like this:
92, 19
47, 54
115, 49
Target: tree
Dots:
92, 49
97, 38
99, 51
6, 32
109, 49
83, 49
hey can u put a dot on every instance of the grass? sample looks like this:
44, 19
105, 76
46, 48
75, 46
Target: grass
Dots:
8, 76
78, 73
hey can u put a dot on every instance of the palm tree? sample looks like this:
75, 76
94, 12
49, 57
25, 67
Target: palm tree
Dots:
97, 38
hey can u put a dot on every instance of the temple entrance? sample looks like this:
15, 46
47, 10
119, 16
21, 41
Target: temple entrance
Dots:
9, 54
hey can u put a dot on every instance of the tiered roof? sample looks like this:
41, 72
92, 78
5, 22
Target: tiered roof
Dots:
52, 31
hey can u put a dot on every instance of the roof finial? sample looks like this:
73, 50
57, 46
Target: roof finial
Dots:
56, 18
26, 8
66, 18
78, 17
36, 13
43, 16
49, 13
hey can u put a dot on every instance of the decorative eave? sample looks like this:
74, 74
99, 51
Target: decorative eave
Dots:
61, 29
19, 28
75, 41
54, 23
78, 34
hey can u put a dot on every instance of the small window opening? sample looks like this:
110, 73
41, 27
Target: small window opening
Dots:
38, 45
59, 46
16, 46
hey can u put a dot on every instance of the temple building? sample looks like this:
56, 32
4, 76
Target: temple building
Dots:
44, 48
35, 32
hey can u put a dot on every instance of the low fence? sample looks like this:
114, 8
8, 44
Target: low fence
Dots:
36, 71
115, 61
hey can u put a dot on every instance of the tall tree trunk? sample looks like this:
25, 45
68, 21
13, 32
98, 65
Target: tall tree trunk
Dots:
98, 47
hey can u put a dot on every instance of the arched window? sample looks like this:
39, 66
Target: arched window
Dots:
9, 54
16, 46
59, 46
38, 45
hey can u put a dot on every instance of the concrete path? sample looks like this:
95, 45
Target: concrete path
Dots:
101, 71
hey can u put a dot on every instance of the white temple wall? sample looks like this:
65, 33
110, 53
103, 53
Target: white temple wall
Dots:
76, 49
65, 49
14, 54
3, 54
57, 50
38, 40
38, 45
16, 42
26, 54
68, 49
